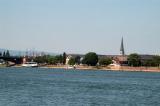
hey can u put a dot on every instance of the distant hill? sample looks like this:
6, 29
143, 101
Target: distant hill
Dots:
23, 53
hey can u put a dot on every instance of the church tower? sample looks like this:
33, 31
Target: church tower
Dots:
122, 52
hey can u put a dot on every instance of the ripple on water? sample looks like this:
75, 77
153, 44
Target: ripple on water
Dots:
58, 87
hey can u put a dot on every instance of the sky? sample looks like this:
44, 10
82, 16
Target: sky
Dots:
81, 26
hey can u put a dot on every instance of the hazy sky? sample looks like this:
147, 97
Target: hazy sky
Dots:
80, 26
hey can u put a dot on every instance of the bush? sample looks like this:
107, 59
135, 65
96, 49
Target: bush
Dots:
71, 61
105, 61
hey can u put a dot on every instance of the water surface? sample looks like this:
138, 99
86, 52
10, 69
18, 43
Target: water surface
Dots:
59, 87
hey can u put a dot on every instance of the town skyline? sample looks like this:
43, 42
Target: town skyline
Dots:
80, 26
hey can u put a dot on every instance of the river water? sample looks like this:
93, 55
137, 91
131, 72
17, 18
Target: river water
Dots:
59, 87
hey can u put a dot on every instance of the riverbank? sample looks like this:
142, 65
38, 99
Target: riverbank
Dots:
2, 65
112, 68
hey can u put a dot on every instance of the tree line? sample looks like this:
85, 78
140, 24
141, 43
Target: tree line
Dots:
48, 59
92, 59
5, 54
135, 60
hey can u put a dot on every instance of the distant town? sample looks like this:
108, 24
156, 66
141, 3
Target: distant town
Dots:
91, 60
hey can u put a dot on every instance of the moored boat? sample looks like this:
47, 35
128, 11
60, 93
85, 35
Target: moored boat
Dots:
30, 64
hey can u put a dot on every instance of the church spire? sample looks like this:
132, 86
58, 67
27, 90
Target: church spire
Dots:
122, 48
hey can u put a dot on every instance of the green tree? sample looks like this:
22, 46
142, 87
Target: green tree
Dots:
4, 54
134, 60
77, 60
7, 54
148, 62
90, 59
0, 53
48, 59
64, 58
156, 61
51, 60
71, 61
59, 58
105, 61
41, 59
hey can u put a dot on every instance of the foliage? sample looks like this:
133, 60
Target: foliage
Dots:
7, 54
105, 61
71, 61
77, 60
49, 59
148, 62
64, 58
91, 59
0, 53
4, 54
134, 60
41, 59
59, 59
154, 62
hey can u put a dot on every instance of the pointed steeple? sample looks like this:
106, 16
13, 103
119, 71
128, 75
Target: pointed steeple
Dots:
122, 48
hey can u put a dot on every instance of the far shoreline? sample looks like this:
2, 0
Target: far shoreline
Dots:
94, 68
99, 68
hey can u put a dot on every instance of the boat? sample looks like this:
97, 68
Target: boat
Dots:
30, 64
71, 67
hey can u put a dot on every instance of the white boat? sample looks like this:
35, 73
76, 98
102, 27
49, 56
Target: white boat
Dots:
71, 67
30, 64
